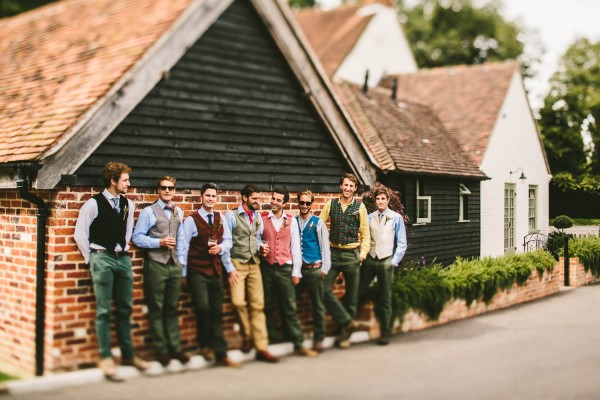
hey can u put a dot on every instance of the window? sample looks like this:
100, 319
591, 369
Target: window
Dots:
463, 208
532, 208
509, 218
423, 205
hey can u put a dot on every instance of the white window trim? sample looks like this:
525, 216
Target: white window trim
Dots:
535, 209
428, 198
462, 192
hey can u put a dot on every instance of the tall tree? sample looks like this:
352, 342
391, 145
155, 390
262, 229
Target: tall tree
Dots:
453, 32
572, 111
13, 7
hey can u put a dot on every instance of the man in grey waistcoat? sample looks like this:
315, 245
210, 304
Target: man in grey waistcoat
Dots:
159, 231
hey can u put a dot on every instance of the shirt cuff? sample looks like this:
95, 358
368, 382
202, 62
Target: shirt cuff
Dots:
183, 270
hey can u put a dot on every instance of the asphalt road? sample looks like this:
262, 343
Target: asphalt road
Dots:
547, 349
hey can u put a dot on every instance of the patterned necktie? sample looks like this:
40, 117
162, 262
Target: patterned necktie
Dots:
210, 217
380, 217
116, 204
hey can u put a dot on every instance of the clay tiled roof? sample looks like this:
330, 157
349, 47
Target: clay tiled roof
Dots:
59, 60
467, 99
403, 135
333, 34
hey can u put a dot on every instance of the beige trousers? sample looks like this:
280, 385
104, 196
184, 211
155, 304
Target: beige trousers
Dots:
250, 287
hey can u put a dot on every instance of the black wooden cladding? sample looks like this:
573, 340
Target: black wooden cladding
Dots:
231, 112
444, 238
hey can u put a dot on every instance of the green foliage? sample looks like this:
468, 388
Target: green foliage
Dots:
395, 204
587, 249
6, 377
302, 3
586, 221
457, 32
587, 183
13, 7
571, 108
555, 244
562, 222
428, 288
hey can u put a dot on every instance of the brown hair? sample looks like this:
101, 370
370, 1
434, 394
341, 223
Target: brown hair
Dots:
307, 192
166, 178
112, 172
381, 190
350, 177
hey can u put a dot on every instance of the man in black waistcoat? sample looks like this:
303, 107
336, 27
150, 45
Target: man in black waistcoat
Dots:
102, 232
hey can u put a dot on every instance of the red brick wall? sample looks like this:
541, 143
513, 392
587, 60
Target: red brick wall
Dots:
70, 305
577, 273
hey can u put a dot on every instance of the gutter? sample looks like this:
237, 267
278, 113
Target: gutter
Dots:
23, 171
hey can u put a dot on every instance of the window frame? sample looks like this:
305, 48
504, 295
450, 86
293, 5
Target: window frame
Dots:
463, 192
420, 197
533, 188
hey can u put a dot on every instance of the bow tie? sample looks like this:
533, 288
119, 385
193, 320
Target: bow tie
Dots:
168, 207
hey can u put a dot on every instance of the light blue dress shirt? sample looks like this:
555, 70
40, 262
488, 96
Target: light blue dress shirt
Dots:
231, 221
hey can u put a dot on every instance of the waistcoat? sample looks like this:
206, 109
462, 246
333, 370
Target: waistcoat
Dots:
382, 235
109, 228
198, 258
245, 248
279, 241
344, 224
311, 251
164, 227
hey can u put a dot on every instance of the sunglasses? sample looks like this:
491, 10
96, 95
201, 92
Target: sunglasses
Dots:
305, 203
165, 188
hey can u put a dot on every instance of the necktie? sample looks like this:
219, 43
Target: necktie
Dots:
380, 217
169, 207
210, 216
116, 204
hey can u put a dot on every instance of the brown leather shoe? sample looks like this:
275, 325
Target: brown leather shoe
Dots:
163, 359
207, 353
246, 346
136, 362
181, 357
318, 347
305, 352
343, 344
108, 367
358, 326
264, 355
228, 362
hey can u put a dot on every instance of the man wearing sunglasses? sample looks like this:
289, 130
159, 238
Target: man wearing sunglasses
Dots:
350, 242
316, 262
102, 233
159, 231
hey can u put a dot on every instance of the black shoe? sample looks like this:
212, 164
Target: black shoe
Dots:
383, 341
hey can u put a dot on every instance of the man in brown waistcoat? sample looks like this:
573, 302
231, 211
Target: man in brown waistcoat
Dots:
207, 239
350, 242
159, 231
283, 261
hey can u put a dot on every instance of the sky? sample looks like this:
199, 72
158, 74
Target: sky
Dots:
558, 22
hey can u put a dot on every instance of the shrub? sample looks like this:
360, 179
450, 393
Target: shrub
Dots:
562, 222
587, 249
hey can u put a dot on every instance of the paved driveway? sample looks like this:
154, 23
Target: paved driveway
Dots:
547, 349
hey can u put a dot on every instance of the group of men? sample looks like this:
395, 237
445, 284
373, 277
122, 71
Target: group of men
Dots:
266, 257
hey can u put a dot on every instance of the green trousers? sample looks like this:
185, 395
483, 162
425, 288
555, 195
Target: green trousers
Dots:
207, 297
277, 284
312, 282
346, 262
113, 280
162, 285
382, 269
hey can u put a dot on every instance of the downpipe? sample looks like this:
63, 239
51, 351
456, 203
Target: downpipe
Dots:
40, 289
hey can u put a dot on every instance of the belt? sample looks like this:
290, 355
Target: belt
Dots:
111, 252
345, 248
312, 265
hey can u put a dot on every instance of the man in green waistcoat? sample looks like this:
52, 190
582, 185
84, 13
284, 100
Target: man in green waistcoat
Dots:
350, 242
160, 232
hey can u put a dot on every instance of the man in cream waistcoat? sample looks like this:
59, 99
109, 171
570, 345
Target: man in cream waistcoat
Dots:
388, 245
245, 224
159, 231
283, 262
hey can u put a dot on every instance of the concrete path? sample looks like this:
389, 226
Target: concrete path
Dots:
547, 349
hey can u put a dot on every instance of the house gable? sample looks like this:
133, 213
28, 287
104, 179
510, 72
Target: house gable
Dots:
230, 111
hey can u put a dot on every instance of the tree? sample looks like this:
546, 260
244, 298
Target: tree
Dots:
453, 32
302, 3
13, 7
572, 111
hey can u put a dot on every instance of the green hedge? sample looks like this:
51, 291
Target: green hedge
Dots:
587, 249
428, 288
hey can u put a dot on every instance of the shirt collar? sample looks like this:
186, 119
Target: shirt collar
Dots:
271, 215
109, 195
204, 213
242, 211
